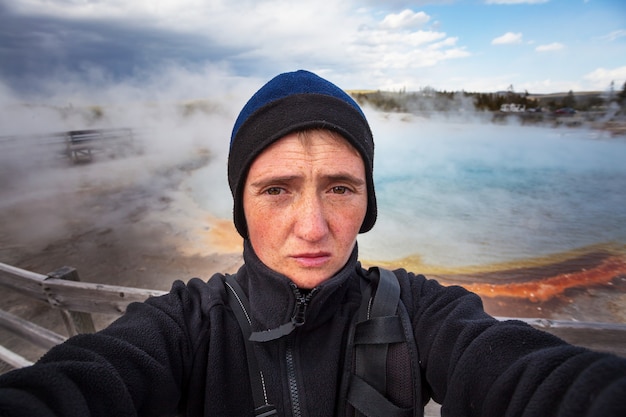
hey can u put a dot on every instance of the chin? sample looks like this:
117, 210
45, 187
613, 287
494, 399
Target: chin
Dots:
308, 282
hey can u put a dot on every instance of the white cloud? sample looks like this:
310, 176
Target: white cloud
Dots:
508, 39
555, 46
601, 78
405, 19
387, 57
616, 34
550, 86
365, 52
338, 39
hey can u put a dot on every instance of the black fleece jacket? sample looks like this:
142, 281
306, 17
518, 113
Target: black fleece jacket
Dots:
183, 354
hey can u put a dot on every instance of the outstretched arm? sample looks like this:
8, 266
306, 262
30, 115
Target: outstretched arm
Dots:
476, 365
135, 367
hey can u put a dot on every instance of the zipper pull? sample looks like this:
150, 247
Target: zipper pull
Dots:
302, 302
297, 320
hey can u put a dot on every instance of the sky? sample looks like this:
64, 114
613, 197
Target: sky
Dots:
539, 46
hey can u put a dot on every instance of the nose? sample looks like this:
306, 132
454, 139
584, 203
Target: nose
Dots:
310, 219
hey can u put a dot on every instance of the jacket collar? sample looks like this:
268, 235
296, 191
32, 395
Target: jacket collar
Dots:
273, 299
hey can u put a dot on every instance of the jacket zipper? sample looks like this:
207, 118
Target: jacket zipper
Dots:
291, 380
298, 319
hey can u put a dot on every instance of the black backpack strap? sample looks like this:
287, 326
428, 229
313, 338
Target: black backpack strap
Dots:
378, 326
240, 306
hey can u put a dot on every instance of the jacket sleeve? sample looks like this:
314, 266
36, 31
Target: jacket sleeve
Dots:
134, 367
476, 365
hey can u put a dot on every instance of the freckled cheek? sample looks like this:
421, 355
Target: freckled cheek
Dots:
347, 219
271, 220
257, 217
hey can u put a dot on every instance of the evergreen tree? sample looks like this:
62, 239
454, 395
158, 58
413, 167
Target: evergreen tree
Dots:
611, 91
621, 97
569, 100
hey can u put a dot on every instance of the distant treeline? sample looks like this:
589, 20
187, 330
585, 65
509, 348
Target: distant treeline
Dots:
428, 99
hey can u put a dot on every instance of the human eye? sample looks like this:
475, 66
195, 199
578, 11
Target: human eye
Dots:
340, 189
273, 191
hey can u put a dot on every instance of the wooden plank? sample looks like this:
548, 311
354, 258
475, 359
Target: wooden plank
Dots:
27, 330
22, 281
75, 322
74, 296
21, 272
94, 298
13, 359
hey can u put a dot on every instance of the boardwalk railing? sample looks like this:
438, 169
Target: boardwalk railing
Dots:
80, 144
61, 290
77, 300
77, 145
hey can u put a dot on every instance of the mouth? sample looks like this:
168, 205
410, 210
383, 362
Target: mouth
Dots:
312, 260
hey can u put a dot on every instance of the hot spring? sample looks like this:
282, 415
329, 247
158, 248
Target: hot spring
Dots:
462, 193
458, 193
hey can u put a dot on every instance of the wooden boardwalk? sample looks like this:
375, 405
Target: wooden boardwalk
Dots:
79, 146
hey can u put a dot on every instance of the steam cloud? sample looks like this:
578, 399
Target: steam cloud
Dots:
178, 117
451, 188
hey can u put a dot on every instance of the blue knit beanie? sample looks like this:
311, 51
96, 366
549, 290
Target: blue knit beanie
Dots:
288, 103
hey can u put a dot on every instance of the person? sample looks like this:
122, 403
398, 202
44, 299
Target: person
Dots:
300, 169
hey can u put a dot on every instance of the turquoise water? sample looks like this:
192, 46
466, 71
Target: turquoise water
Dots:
463, 193
469, 193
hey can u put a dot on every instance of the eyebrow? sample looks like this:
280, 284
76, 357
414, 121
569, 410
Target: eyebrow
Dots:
274, 180
345, 178
340, 177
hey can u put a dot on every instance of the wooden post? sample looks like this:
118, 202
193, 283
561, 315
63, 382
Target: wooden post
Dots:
76, 322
